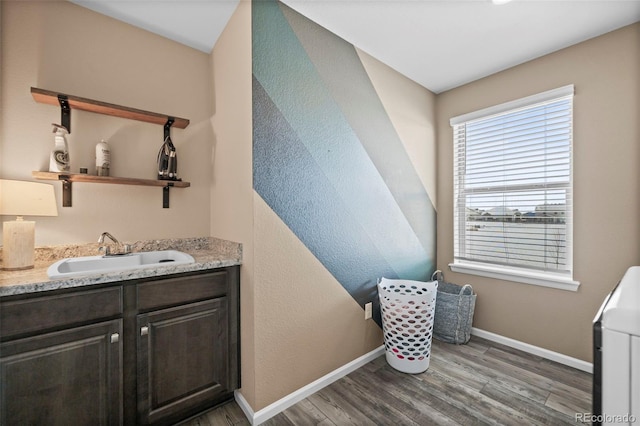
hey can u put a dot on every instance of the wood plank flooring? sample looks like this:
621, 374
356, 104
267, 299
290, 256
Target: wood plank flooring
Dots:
481, 383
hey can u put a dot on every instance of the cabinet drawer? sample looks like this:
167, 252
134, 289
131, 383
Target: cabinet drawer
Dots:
41, 313
174, 291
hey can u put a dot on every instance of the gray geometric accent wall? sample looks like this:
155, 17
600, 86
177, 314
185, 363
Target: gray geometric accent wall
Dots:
327, 159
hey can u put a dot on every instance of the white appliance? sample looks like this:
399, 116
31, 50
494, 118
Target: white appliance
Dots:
617, 354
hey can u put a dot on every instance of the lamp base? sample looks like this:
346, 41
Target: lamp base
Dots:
18, 239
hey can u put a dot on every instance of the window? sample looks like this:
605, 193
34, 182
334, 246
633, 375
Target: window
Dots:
513, 190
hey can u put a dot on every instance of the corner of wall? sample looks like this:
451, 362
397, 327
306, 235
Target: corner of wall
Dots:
231, 167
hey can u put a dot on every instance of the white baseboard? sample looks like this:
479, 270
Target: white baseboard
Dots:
282, 404
535, 350
244, 405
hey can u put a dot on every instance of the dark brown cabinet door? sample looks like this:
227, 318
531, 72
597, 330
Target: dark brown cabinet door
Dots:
183, 360
70, 377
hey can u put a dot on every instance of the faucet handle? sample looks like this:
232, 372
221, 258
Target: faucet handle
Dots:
105, 249
126, 248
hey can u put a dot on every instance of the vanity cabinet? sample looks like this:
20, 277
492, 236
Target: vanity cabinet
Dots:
153, 351
54, 370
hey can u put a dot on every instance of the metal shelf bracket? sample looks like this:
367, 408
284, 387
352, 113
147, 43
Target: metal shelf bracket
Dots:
165, 195
66, 190
167, 127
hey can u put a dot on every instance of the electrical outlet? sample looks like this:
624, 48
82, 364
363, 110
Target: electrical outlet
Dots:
368, 310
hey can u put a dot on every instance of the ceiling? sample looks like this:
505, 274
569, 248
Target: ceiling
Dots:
440, 44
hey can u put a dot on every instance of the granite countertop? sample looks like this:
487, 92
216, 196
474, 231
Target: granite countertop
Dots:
208, 253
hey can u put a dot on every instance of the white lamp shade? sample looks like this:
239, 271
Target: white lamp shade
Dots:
20, 198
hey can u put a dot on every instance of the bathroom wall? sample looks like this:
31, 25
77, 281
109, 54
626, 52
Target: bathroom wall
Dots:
59, 46
344, 184
606, 74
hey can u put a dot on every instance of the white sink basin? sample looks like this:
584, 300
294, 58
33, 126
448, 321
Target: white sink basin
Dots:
90, 265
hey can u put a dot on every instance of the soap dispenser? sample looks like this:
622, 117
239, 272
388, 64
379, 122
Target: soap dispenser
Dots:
59, 159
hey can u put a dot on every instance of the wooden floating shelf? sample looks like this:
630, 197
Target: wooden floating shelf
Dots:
83, 177
68, 178
69, 102
84, 104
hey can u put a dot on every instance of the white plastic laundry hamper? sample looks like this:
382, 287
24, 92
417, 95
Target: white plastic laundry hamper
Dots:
408, 309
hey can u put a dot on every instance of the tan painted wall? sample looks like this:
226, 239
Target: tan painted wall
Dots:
412, 111
606, 75
306, 323
232, 179
64, 47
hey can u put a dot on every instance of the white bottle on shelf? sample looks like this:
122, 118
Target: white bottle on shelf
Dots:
103, 158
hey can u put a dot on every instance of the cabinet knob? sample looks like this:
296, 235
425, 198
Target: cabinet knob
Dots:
144, 330
115, 338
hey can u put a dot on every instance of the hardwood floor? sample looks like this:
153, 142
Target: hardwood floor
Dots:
475, 384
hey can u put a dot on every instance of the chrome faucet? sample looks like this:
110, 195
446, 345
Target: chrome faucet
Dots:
107, 249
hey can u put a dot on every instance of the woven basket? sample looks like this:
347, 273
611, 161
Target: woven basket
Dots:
454, 311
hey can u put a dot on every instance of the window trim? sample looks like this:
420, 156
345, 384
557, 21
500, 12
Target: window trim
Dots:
512, 273
515, 104
525, 276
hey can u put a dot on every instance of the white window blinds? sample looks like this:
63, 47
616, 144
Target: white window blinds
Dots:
513, 184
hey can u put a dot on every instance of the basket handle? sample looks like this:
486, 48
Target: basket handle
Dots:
434, 276
458, 313
464, 287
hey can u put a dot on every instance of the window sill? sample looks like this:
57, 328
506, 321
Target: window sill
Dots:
509, 274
